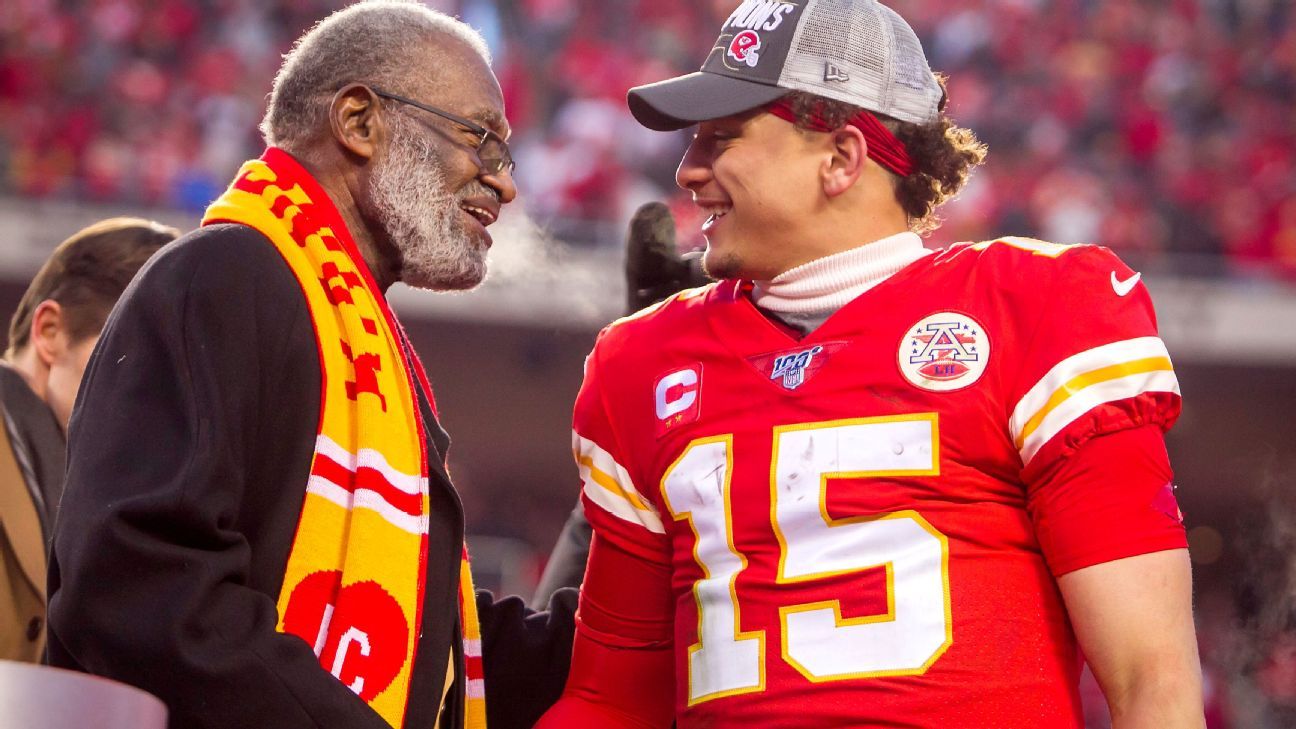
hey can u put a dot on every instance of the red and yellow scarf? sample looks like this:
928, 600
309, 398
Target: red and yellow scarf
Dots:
354, 583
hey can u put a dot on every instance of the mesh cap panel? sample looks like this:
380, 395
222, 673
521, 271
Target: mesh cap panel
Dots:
862, 53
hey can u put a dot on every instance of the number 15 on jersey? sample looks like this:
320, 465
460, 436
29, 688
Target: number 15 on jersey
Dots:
815, 639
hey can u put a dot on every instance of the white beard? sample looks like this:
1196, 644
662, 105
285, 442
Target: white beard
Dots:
422, 218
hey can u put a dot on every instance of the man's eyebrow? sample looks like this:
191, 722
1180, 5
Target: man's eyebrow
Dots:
492, 119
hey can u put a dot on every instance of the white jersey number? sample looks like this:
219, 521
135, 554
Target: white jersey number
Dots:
816, 640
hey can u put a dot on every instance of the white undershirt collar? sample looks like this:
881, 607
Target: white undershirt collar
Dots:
829, 283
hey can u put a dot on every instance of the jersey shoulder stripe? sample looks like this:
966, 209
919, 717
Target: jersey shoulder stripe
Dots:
608, 484
1083, 381
1032, 246
673, 299
675, 304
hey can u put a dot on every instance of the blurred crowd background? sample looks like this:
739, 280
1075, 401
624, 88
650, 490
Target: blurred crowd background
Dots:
1154, 126
1165, 129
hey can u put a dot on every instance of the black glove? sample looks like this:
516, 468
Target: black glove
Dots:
654, 268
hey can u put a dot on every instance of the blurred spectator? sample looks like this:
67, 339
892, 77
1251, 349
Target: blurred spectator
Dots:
1152, 126
51, 336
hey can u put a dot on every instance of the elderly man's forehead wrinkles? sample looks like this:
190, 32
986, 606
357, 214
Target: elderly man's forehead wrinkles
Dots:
451, 71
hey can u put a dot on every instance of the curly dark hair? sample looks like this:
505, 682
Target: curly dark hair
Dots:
944, 154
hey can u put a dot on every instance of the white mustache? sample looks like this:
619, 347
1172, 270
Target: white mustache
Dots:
477, 189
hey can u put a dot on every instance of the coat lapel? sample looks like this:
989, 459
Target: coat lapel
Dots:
19, 520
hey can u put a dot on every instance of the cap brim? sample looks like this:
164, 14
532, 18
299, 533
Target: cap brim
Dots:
686, 100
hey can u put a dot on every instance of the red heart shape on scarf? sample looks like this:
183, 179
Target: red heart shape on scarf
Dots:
359, 631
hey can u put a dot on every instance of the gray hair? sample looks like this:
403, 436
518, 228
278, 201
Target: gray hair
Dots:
371, 41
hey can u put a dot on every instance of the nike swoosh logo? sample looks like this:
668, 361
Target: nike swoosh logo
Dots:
1124, 287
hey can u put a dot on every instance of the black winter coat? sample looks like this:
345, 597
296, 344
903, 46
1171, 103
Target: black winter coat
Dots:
189, 452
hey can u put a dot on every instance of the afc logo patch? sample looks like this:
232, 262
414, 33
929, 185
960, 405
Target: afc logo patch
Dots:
677, 398
944, 352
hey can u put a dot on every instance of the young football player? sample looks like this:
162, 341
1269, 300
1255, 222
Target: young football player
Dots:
858, 482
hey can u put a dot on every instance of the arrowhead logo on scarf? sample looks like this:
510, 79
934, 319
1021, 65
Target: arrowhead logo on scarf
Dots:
354, 584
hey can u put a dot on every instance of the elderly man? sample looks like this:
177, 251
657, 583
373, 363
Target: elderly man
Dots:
52, 333
258, 526
858, 482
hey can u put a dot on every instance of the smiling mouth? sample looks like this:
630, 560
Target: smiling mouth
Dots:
483, 216
716, 213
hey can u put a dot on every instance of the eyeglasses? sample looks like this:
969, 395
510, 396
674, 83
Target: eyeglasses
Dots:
492, 151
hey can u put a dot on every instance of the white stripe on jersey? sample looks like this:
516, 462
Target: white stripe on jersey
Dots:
1081, 382
609, 485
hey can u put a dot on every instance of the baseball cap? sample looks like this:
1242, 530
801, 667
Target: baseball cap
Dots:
856, 51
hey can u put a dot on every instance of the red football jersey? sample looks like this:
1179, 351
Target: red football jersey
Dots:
852, 519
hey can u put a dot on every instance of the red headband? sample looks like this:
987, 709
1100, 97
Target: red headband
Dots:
883, 147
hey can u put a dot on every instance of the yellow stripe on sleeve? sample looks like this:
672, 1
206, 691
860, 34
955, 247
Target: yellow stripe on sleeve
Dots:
1080, 382
608, 482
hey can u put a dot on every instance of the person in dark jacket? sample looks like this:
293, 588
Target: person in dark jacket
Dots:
258, 526
51, 335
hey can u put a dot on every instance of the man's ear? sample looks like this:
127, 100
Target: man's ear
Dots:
845, 165
355, 122
48, 332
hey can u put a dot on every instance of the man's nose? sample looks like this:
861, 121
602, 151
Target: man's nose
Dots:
695, 168
502, 183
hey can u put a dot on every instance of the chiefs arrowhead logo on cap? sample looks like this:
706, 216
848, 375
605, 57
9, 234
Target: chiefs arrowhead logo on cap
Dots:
744, 48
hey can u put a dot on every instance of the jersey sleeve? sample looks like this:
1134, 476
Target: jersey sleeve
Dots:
1096, 393
1091, 363
622, 670
1113, 498
620, 510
